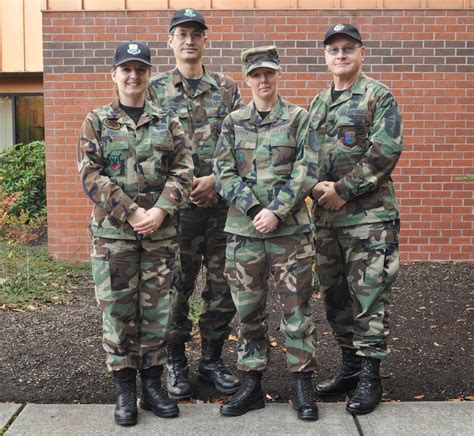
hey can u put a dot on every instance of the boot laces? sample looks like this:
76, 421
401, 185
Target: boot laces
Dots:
177, 370
247, 386
304, 392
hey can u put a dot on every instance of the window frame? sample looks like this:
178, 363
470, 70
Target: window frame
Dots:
14, 96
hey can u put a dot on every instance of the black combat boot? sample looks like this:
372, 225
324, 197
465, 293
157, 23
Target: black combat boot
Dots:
212, 369
178, 384
125, 381
304, 403
154, 397
347, 378
369, 389
248, 397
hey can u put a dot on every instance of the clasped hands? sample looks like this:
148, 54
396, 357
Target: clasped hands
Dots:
203, 191
265, 221
327, 197
145, 222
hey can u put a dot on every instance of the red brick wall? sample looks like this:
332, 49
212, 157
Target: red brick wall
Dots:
426, 56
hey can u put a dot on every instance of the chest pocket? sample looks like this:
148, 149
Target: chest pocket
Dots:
245, 144
210, 132
283, 150
162, 148
352, 136
116, 158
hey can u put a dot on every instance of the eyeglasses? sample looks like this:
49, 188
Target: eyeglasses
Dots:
346, 50
195, 35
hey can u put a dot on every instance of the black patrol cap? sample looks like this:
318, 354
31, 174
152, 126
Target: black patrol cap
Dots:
132, 51
343, 29
185, 16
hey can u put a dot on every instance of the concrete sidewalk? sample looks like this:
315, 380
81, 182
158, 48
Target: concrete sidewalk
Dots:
420, 418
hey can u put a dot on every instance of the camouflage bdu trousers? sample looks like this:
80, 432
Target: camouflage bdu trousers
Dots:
202, 240
356, 267
135, 291
289, 259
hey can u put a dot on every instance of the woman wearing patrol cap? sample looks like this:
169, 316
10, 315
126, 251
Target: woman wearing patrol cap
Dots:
265, 164
136, 169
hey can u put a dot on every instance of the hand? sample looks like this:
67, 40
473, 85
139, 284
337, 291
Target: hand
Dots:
319, 189
265, 221
153, 220
137, 216
330, 199
203, 191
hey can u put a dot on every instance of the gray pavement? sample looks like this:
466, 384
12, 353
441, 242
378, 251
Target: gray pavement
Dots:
420, 418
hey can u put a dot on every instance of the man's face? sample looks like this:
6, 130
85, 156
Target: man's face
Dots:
344, 56
188, 41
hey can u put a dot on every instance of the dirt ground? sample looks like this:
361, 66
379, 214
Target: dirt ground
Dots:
54, 355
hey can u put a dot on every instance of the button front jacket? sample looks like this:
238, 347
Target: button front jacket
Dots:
271, 163
124, 166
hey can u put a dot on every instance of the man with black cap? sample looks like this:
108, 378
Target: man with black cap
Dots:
202, 99
356, 216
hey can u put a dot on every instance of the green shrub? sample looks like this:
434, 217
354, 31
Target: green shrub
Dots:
22, 172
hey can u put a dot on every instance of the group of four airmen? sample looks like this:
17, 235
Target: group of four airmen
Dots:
218, 183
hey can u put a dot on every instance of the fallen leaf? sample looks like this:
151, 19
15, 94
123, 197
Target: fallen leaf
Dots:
233, 338
419, 397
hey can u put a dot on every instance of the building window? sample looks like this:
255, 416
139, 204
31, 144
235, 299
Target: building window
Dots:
21, 119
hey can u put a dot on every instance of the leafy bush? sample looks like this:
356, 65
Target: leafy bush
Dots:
22, 173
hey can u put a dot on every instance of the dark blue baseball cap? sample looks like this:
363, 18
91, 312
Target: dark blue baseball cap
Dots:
343, 29
132, 51
185, 16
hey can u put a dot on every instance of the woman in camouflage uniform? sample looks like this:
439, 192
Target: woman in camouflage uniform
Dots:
136, 168
265, 164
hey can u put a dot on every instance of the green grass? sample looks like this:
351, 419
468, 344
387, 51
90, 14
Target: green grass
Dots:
195, 310
29, 278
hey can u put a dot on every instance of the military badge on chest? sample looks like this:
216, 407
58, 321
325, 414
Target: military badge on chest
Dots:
240, 157
117, 164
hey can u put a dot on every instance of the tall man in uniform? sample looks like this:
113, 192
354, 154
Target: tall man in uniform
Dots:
356, 216
202, 100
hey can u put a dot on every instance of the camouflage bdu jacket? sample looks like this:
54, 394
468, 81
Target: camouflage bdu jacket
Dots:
125, 167
201, 112
272, 163
360, 142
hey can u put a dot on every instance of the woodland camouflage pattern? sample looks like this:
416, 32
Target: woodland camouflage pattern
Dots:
272, 163
289, 259
260, 57
356, 267
125, 166
135, 291
201, 112
360, 142
120, 174
202, 238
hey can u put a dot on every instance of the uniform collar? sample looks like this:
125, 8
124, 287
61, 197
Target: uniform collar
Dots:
117, 113
207, 80
279, 112
358, 87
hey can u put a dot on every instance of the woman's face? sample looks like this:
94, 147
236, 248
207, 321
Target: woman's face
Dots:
131, 79
264, 83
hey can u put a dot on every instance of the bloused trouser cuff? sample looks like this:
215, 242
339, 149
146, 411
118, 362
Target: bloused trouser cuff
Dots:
289, 259
134, 289
356, 266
